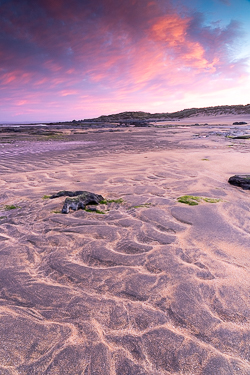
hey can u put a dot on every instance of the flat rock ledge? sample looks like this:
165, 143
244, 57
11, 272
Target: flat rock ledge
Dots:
240, 180
77, 199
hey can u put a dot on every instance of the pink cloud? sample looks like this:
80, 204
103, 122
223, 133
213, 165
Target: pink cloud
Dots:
68, 92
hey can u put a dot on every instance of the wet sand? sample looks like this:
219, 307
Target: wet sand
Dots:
152, 286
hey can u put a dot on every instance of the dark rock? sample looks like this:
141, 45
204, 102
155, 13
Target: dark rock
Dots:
77, 199
81, 201
66, 193
240, 180
240, 123
246, 136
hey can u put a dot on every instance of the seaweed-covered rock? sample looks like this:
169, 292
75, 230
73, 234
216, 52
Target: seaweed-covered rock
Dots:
240, 180
77, 199
240, 123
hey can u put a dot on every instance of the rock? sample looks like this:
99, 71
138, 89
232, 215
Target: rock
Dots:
77, 199
240, 123
246, 136
66, 193
240, 180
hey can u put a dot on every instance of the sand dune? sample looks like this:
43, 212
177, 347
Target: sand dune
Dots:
152, 286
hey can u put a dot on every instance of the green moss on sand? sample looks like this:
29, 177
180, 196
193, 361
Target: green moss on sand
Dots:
106, 201
192, 200
147, 205
10, 207
211, 200
95, 211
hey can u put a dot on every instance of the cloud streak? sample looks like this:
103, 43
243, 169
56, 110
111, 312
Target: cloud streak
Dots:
109, 49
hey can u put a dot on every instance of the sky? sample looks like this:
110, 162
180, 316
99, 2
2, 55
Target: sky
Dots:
63, 60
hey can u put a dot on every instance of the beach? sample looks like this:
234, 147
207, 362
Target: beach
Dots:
145, 285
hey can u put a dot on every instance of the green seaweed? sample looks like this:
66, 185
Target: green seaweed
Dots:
95, 211
192, 200
147, 205
56, 211
106, 201
46, 196
205, 159
211, 200
3, 217
99, 212
10, 207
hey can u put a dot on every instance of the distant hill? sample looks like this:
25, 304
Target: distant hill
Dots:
185, 113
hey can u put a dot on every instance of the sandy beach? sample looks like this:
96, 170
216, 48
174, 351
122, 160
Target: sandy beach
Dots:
148, 286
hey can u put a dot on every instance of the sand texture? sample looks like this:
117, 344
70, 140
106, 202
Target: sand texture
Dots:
151, 286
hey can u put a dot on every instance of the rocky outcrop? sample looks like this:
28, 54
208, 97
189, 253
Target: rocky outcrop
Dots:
240, 180
77, 199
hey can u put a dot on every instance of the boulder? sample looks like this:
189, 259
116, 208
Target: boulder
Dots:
77, 199
240, 180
